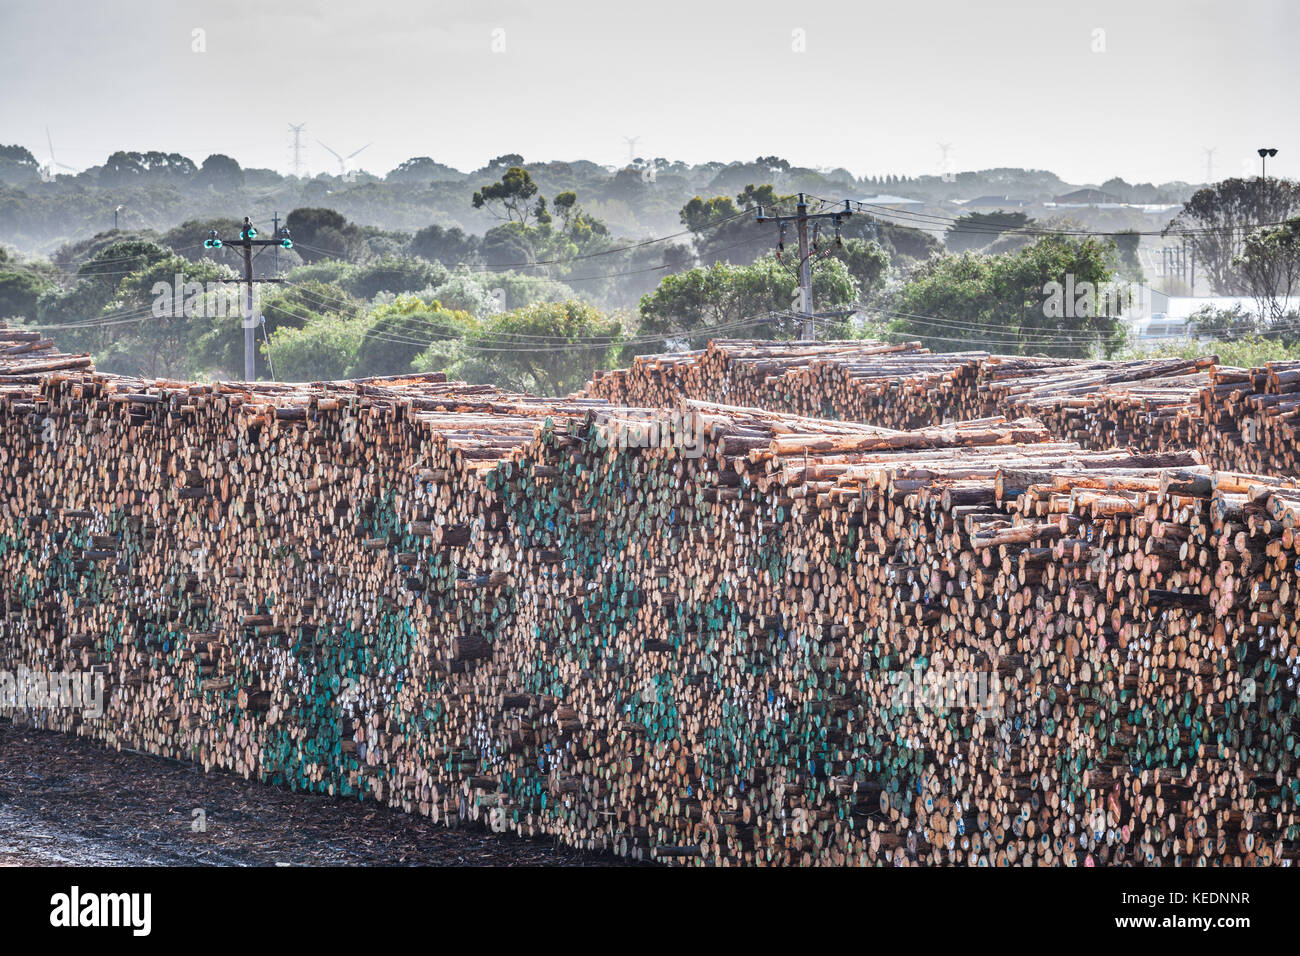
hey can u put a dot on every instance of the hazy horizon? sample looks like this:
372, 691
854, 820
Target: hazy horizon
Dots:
1010, 84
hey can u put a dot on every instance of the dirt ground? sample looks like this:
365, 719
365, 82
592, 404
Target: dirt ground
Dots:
66, 801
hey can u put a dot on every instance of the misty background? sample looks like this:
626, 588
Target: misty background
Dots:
1012, 83
525, 194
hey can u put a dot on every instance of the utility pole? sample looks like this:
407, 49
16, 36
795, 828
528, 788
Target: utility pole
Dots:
805, 271
275, 231
247, 240
801, 218
250, 320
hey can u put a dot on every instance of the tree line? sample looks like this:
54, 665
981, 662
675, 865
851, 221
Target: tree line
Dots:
525, 305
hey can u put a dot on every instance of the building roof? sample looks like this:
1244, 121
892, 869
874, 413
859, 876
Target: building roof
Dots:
887, 200
1089, 196
1005, 202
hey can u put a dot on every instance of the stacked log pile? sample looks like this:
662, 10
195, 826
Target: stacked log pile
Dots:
1252, 418
700, 634
1239, 419
896, 386
1151, 404
26, 356
1094, 593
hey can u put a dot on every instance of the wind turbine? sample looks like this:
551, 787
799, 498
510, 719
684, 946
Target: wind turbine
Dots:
945, 170
343, 160
631, 148
47, 171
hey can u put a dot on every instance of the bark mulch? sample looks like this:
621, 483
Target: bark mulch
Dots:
65, 800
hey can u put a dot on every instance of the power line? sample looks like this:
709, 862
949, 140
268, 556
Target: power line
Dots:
1030, 337
973, 331
602, 342
121, 317
564, 261
564, 280
37, 270
801, 218
533, 343
133, 315
246, 242
973, 223
1045, 337
447, 324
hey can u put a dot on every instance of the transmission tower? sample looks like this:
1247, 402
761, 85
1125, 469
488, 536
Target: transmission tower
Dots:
297, 146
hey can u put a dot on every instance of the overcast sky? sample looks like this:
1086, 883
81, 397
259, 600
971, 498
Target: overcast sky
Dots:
1088, 89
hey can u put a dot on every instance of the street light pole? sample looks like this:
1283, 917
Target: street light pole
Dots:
1264, 154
